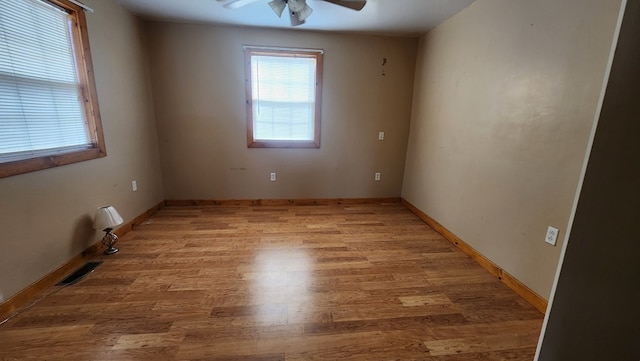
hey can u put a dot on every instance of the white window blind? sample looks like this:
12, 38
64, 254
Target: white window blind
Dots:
283, 97
41, 110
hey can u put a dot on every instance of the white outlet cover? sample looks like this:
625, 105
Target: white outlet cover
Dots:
272, 177
381, 136
134, 185
552, 235
377, 176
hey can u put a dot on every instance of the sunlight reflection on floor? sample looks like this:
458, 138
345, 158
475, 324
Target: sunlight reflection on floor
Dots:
282, 277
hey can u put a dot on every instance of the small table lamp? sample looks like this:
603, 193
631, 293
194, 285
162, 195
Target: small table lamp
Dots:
106, 219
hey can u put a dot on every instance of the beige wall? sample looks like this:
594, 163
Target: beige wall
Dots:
502, 109
45, 216
594, 314
198, 82
504, 100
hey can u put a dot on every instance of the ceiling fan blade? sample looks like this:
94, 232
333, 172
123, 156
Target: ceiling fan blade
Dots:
234, 4
278, 6
351, 4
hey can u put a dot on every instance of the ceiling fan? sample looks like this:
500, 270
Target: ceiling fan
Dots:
299, 10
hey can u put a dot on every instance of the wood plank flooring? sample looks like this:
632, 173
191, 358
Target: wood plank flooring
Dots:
267, 283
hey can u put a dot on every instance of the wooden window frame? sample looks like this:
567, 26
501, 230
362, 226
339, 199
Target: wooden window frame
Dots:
317, 54
84, 70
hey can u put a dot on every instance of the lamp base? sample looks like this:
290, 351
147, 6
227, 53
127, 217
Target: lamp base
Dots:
111, 250
108, 240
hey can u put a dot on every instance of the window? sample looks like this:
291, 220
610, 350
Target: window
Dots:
284, 88
48, 107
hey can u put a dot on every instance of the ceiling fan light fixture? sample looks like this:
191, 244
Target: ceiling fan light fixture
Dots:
298, 10
295, 21
305, 12
296, 5
278, 6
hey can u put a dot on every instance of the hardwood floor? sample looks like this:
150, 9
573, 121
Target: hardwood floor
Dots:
329, 282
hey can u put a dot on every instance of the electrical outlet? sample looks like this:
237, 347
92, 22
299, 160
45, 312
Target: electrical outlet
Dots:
272, 176
552, 235
381, 136
377, 177
134, 186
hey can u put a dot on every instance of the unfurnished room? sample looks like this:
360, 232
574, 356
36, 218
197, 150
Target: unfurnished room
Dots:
288, 180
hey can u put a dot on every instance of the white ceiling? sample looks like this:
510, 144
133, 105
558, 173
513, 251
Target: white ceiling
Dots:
384, 17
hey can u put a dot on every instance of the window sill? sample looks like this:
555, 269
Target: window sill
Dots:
34, 164
284, 144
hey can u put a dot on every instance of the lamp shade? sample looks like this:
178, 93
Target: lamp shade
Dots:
107, 217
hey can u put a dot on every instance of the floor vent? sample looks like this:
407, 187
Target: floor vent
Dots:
79, 273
